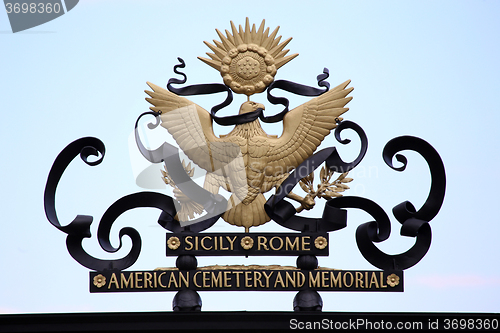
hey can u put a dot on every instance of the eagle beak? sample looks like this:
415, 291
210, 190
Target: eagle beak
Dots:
250, 107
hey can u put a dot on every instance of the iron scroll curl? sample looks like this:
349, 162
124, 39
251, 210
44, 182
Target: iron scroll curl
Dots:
79, 228
414, 223
84, 147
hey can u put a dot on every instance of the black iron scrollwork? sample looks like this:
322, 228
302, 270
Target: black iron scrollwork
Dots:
414, 223
284, 212
79, 228
84, 147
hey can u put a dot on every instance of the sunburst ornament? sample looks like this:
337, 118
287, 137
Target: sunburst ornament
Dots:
248, 59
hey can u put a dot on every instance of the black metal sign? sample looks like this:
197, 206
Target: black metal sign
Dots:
246, 280
252, 244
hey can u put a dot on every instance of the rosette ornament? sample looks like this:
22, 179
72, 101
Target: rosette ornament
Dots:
248, 59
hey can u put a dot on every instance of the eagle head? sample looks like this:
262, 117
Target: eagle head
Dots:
250, 106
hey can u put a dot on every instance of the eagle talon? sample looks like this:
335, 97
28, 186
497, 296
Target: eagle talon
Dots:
308, 202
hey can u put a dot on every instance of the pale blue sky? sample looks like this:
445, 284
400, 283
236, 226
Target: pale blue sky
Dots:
423, 68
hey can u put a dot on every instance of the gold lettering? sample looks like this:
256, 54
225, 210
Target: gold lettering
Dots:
314, 282
206, 278
226, 279
215, 243
366, 280
185, 279
221, 241
374, 280
334, 281
348, 285
304, 243
154, 279
382, 285
159, 280
271, 243
289, 278
217, 281
261, 240
324, 279
147, 280
203, 244
231, 241
359, 280
188, 241
248, 278
256, 277
137, 280
196, 243
301, 279
279, 279
293, 245
238, 278
172, 279
113, 280
267, 277
194, 279
127, 281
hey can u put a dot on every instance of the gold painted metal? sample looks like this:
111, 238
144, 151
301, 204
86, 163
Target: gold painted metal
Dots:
99, 281
245, 267
325, 189
188, 206
248, 59
173, 243
320, 242
247, 161
247, 243
393, 280
166, 269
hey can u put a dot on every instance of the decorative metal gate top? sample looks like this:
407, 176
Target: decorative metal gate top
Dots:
248, 162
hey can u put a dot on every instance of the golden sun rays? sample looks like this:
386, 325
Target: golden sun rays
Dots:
248, 59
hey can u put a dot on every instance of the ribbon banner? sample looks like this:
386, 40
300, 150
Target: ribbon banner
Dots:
212, 88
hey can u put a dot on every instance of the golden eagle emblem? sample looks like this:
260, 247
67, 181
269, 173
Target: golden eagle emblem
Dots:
247, 161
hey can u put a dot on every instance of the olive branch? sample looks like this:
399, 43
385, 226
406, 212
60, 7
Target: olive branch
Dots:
327, 189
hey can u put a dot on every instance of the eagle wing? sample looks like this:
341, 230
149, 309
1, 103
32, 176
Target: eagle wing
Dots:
191, 127
304, 128
188, 123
